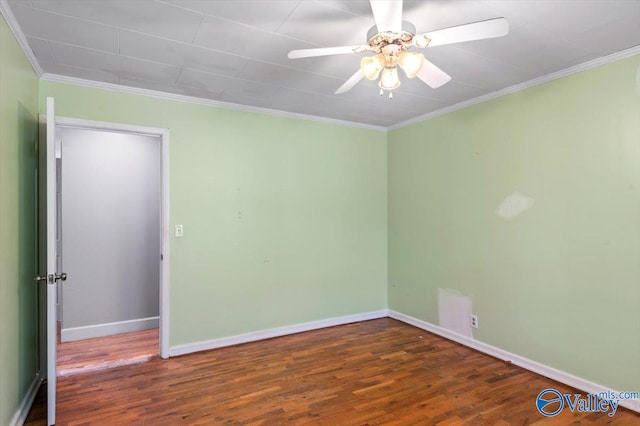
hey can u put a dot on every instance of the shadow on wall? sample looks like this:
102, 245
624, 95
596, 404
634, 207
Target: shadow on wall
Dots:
27, 243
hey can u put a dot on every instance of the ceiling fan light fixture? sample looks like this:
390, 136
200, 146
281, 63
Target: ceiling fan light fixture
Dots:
411, 63
371, 66
391, 38
389, 79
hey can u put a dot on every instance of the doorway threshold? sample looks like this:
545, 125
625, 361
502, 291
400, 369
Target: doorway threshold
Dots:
101, 353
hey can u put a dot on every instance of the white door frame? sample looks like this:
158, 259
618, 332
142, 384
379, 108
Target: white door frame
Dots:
164, 206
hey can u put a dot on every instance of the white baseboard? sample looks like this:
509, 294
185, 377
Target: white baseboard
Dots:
25, 405
108, 329
544, 370
273, 332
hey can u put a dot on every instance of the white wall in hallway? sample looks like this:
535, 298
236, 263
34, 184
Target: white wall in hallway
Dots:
110, 232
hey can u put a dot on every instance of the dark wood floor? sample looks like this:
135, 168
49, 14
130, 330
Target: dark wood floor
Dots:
374, 372
83, 356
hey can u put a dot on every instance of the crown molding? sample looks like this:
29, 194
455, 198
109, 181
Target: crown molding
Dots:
19, 35
56, 78
522, 86
489, 96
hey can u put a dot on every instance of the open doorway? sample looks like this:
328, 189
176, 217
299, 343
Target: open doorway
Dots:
110, 245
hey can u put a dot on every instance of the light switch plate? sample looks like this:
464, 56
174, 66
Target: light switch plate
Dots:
179, 231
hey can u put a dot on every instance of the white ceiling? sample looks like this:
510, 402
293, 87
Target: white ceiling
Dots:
236, 51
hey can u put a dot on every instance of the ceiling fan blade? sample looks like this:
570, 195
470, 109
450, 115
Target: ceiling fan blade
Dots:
325, 51
348, 85
491, 28
387, 14
432, 75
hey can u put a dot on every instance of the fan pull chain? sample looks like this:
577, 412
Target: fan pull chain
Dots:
390, 94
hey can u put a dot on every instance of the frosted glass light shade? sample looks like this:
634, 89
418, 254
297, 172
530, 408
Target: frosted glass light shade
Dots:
389, 79
411, 62
371, 66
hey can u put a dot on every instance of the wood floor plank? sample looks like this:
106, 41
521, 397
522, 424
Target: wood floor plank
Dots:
379, 372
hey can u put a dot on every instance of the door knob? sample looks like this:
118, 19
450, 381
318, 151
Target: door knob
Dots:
51, 278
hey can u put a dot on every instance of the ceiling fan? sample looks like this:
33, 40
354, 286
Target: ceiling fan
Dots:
391, 39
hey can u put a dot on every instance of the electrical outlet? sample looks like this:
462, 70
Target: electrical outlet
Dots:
474, 321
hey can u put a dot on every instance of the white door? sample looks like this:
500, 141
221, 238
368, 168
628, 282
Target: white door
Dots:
48, 252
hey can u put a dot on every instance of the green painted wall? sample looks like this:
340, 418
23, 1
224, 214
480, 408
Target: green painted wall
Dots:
560, 284
284, 220
18, 136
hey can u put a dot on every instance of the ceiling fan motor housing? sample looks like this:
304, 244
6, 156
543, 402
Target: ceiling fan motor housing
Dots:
403, 39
